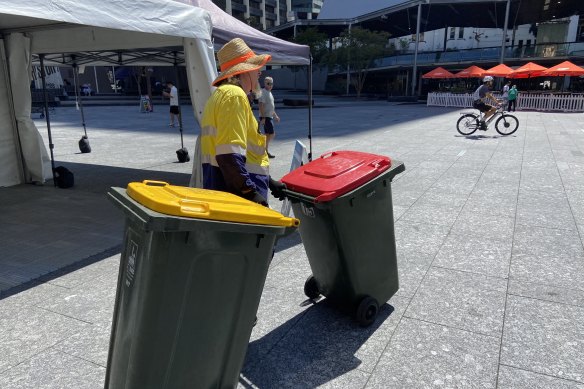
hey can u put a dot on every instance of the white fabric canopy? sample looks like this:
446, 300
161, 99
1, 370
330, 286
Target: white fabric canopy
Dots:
69, 26
226, 27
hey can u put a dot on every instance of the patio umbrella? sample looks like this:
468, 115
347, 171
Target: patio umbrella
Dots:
501, 70
528, 70
470, 72
438, 73
566, 68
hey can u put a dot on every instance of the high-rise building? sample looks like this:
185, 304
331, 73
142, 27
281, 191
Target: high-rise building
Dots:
261, 14
306, 9
265, 14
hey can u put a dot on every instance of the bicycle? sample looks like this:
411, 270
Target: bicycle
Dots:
506, 124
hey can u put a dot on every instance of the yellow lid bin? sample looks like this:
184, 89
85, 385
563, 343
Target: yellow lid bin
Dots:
198, 203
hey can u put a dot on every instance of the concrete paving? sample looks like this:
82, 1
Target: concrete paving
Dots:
489, 232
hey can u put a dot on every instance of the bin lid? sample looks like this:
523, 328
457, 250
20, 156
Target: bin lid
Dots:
198, 203
335, 173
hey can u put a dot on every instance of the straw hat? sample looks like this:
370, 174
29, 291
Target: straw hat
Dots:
235, 57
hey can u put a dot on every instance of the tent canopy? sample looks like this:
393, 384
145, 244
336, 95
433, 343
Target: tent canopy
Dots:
528, 70
63, 28
500, 70
438, 73
226, 27
565, 68
470, 72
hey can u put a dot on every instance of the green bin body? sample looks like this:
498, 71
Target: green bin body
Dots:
350, 242
187, 295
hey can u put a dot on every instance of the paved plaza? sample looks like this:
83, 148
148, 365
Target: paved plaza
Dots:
489, 234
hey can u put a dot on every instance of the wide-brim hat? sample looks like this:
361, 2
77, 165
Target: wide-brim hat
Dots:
235, 57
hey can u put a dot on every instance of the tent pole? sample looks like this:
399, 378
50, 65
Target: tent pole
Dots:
415, 69
505, 32
78, 98
310, 109
176, 83
46, 98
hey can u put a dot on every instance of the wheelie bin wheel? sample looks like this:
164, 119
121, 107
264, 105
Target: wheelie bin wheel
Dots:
311, 288
367, 311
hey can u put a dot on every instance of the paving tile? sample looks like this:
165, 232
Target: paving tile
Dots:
91, 344
544, 209
462, 300
546, 242
425, 238
92, 302
547, 292
432, 213
423, 354
491, 204
27, 331
290, 273
279, 311
484, 224
475, 254
576, 200
325, 344
52, 369
512, 378
412, 267
544, 337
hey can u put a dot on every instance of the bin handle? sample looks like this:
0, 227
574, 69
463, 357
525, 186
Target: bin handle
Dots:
194, 207
329, 154
154, 183
380, 164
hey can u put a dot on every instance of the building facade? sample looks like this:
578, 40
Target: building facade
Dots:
265, 14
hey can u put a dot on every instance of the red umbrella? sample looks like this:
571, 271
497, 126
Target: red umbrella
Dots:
528, 70
501, 70
566, 68
470, 72
438, 73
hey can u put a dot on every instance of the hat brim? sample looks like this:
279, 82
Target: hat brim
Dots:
253, 63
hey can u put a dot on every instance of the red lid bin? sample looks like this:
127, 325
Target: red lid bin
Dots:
335, 174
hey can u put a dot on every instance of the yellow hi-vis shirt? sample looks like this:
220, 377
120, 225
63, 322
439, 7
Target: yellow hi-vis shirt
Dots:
226, 121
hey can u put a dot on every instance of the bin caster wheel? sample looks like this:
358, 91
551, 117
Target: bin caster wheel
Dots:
367, 311
311, 288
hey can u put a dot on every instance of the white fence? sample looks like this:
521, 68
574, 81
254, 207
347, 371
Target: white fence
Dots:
531, 101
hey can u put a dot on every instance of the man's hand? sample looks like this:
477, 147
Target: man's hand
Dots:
277, 118
277, 189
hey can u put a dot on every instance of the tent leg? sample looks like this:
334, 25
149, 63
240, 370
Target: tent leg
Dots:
46, 98
78, 98
176, 83
310, 110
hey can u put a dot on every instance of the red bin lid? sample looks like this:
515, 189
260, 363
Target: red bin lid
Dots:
335, 173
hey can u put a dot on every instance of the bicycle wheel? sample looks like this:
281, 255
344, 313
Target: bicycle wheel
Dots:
506, 124
467, 124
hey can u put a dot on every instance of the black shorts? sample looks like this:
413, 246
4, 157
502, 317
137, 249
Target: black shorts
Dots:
268, 126
174, 109
481, 106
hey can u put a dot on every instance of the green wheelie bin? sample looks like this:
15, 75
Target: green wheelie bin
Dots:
192, 270
343, 200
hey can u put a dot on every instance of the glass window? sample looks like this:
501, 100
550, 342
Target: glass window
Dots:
461, 33
452, 32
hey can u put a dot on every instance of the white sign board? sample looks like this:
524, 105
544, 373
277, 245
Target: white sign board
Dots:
299, 158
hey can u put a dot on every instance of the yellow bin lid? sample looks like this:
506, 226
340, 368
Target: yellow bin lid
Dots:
198, 203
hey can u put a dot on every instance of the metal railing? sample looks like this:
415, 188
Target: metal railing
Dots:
545, 102
544, 50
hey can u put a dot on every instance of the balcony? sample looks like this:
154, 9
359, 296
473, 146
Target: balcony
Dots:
528, 53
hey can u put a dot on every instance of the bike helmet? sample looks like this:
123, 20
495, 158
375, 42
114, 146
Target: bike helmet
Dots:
488, 79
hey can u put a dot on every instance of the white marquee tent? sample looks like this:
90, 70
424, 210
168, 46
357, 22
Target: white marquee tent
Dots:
59, 29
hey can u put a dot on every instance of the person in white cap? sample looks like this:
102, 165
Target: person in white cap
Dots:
480, 97
234, 156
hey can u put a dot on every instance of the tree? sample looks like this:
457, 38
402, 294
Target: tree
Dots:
358, 48
317, 41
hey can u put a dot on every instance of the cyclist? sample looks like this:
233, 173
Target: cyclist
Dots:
480, 96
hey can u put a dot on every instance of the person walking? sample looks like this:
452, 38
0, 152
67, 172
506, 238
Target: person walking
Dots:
268, 112
505, 94
512, 97
233, 152
174, 106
